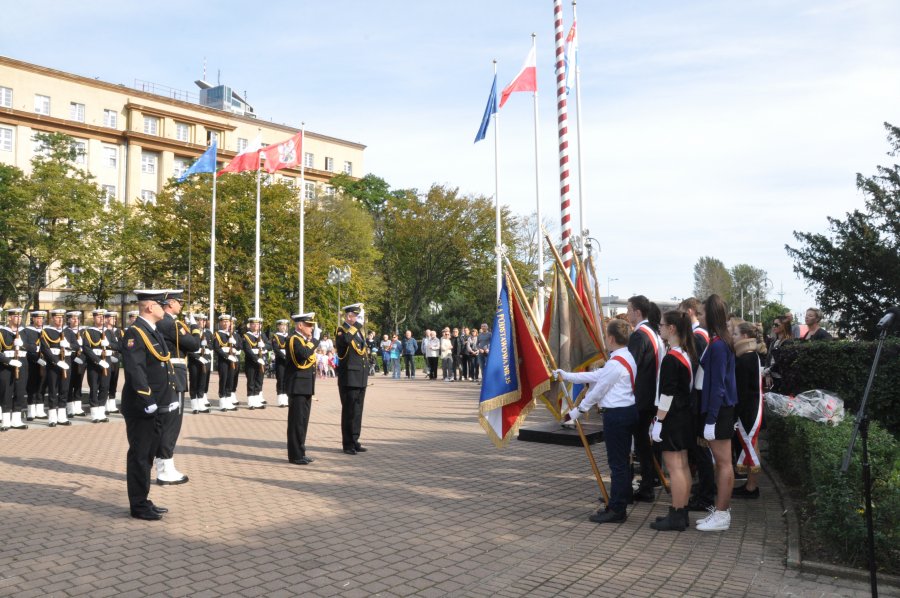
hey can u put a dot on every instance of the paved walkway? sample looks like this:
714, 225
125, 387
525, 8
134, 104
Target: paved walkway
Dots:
433, 509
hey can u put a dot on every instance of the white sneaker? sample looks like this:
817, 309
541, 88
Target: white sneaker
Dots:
709, 513
718, 521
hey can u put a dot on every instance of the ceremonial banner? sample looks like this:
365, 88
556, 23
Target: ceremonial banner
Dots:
205, 163
283, 155
568, 331
526, 80
490, 109
571, 57
246, 160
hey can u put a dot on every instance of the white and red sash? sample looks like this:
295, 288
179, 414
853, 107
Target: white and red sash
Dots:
627, 367
654, 341
749, 459
679, 354
702, 332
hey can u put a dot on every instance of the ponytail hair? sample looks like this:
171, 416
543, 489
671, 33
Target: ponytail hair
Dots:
681, 320
714, 308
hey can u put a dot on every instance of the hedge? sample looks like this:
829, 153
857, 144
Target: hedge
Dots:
809, 455
843, 368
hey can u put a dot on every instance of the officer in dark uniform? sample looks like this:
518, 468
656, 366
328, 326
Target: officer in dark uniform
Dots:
226, 362
236, 374
55, 351
76, 374
300, 385
34, 386
353, 377
279, 346
149, 388
200, 364
12, 379
96, 351
114, 335
180, 342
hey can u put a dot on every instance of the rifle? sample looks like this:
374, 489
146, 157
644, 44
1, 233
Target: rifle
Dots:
18, 357
104, 354
62, 351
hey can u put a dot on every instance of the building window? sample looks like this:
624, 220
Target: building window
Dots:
151, 125
211, 136
110, 118
76, 112
148, 196
329, 190
6, 139
80, 151
329, 164
309, 190
148, 163
110, 156
42, 104
180, 165
109, 194
348, 168
308, 160
5, 97
72, 273
182, 132
242, 144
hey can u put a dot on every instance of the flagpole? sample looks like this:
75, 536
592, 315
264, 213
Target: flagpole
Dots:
583, 232
212, 251
497, 190
562, 119
537, 196
256, 283
517, 287
302, 214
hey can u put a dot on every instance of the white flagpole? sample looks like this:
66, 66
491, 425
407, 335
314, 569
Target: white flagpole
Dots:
582, 230
212, 250
256, 283
537, 195
302, 215
497, 188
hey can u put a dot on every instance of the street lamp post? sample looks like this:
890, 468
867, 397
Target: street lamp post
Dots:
610, 280
338, 276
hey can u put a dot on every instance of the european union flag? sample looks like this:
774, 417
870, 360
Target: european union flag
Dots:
205, 163
490, 109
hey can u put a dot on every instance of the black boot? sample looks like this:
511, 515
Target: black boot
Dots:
674, 521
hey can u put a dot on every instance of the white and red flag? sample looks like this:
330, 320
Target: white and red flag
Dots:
246, 160
283, 155
526, 80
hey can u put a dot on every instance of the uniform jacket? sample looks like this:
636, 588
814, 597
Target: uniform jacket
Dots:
224, 348
279, 345
31, 336
647, 349
300, 367
149, 376
92, 345
179, 342
255, 347
51, 346
351, 349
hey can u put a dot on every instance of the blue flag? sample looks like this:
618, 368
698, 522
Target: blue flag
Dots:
500, 376
490, 109
205, 163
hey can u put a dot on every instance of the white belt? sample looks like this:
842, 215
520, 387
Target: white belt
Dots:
179, 361
257, 351
54, 351
9, 353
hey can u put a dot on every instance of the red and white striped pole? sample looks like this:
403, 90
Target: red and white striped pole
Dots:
562, 119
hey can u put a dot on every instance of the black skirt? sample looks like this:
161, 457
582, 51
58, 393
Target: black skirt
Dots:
678, 430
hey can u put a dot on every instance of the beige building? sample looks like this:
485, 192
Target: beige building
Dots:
133, 140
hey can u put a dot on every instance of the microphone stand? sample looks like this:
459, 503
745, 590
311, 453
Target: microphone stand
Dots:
862, 429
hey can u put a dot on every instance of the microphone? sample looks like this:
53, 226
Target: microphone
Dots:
888, 320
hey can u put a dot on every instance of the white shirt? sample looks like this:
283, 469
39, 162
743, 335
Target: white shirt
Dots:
610, 386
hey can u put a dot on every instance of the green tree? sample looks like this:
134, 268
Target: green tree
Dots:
45, 217
749, 286
854, 270
711, 276
371, 191
770, 311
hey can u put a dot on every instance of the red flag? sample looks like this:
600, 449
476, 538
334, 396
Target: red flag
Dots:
534, 375
283, 155
246, 160
526, 80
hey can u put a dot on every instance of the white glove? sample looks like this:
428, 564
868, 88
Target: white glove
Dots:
232, 358
709, 431
574, 414
203, 360
18, 343
62, 365
64, 344
151, 409
15, 363
113, 359
78, 360
41, 362
231, 341
203, 343
173, 406
104, 343
656, 430
103, 364
558, 374
283, 351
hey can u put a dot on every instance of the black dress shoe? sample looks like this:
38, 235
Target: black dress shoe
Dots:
360, 449
302, 461
644, 494
159, 510
148, 515
22, 427
51, 425
183, 480
349, 451
65, 423
608, 516
29, 419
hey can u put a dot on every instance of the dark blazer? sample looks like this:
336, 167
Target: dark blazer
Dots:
300, 367
149, 376
350, 345
180, 342
645, 357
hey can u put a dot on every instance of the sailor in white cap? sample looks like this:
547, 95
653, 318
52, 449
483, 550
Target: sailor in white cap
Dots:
31, 336
200, 364
76, 374
12, 360
114, 335
96, 350
55, 351
279, 346
226, 361
256, 348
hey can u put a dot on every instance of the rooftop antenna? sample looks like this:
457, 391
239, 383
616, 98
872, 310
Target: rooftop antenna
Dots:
204, 68
219, 77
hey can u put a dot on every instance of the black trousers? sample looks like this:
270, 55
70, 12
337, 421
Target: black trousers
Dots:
35, 384
113, 378
143, 441
10, 399
199, 378
170, 428
98, 382
226, 375
432, 367
299, 407
235, 373
463, 366
645, 450
352, 401
76, 376
408, 361
57, 387
19, 386
279, 376
254, 380
473, 366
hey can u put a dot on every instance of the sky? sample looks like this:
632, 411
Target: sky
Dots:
709, 128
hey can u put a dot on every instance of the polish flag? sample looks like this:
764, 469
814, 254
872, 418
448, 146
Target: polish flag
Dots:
526, 80
283, 155
246, 160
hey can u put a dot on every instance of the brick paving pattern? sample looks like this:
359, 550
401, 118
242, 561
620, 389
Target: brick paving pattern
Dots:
433, 509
